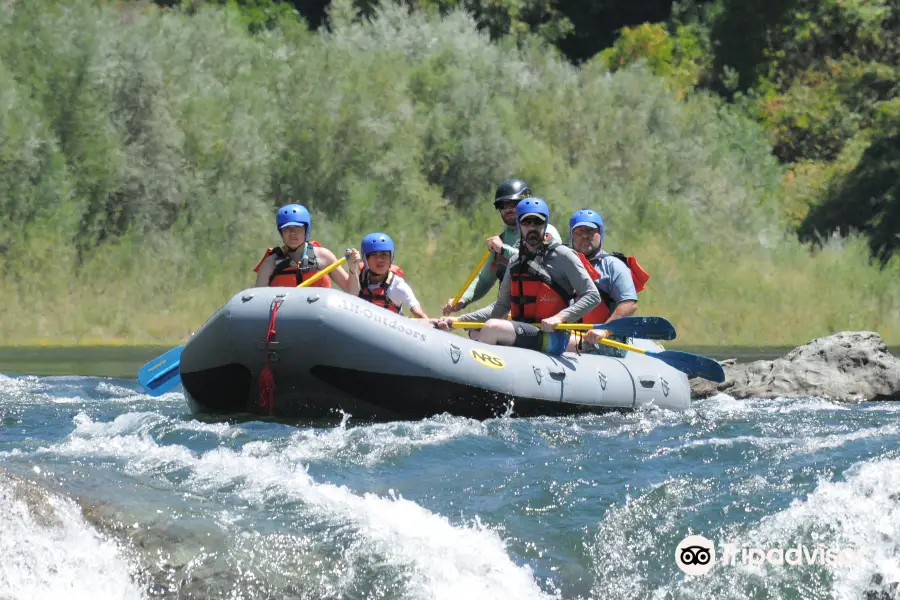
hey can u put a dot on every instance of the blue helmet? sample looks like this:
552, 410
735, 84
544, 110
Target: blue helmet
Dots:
532, 206
376, 242
293, 214
586, 216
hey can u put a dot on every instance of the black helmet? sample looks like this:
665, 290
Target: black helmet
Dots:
511, 189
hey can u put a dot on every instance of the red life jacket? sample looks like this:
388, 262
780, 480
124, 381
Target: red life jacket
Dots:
379, 296
533, 293
287, 273
601, 313
500, 262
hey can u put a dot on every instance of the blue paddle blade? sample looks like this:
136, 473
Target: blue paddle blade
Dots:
648, 328
161, 375
692, 364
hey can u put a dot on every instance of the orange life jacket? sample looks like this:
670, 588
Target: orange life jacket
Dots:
602, 311
533, 293
379, 296
499, 262
288, 273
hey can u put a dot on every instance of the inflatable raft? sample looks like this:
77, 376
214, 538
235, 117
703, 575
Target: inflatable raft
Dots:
331, 354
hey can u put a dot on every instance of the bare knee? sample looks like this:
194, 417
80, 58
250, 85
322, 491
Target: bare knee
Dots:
497, 331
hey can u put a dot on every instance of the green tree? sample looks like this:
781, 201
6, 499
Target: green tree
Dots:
867, 200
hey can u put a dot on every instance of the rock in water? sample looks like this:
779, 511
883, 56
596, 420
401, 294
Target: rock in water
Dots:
851, 365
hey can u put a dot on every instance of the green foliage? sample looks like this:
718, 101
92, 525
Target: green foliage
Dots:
518, 18
867, 200
678, 58
256, 15
145, 152
822, 78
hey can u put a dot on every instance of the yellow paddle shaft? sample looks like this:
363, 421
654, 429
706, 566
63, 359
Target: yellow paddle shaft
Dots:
323, 272
471, 278
560, 327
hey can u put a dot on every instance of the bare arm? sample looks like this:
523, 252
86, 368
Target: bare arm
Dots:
353, 262
402, 295
265, 272
498, 309
326, 257
625, 308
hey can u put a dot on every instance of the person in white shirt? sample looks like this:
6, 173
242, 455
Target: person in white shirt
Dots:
380, 281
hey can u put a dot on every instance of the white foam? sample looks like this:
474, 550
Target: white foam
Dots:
783, 447
115, 391
439, 560
15, 390
72, 389
49, 551
860, 515
374, 443
725, 405
627, 541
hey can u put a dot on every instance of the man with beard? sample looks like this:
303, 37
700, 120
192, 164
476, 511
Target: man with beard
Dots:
540, 284
619, 278
507, 196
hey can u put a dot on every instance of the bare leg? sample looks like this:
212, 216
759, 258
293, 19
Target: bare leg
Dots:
497, 332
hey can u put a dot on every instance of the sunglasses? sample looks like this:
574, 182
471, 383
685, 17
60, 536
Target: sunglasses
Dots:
507, 205
531, 222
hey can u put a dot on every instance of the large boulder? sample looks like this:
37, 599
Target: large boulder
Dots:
852, 366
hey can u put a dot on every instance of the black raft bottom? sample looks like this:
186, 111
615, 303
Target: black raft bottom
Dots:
333, 391
378, 396
222, 389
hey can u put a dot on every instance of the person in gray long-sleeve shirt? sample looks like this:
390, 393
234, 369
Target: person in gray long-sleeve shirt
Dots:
539, 284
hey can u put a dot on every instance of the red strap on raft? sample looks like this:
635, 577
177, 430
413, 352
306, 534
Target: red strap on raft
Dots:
266, 378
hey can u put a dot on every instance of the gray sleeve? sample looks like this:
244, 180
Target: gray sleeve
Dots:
498, 309
587, 296
620, 282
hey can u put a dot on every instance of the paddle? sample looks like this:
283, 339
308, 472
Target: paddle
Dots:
323, 272
650, 328
692, 364
471, 278
647, 328
161, 375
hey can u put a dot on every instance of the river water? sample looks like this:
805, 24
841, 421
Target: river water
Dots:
108, 493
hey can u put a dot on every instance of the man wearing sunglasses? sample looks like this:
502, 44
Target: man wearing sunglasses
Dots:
539, 286
503, 245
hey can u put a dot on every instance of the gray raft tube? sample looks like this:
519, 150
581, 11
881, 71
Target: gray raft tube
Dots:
334, 355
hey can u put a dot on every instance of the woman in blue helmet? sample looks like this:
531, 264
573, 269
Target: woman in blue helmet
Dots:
298, 258
380, 281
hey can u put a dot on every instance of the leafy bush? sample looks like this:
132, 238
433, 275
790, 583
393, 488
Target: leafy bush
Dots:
146, 150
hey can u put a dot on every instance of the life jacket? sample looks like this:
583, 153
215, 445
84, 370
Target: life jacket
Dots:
288, 273
500, 263
602, 311
379, 296
533, 293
